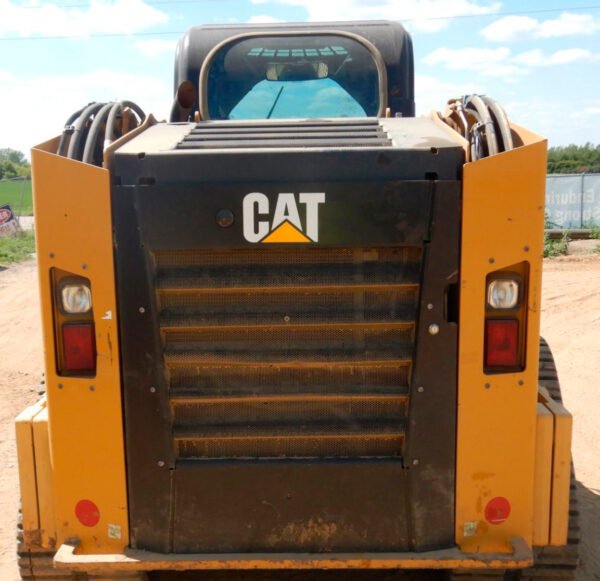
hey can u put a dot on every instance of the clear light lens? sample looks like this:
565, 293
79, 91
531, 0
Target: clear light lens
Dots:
503, 294
76, 299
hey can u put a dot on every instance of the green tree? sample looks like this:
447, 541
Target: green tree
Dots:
7, 170
14, 156
574, 159
13, 164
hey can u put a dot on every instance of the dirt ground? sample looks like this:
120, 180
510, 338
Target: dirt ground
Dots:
570, 323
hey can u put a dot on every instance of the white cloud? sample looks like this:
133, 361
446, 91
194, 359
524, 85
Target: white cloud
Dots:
428, 15
537, 58
499, 62
263, 18
554, 119
153, 48
61, 95
467, 58
511, 28
100, 17
431, 93
489, 62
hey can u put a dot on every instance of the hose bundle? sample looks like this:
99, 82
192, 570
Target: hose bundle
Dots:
91, 129
482, 122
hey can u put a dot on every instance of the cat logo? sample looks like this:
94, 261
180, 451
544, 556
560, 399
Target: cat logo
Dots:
286, 225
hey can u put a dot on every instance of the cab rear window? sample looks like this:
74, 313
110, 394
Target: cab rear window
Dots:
293, 76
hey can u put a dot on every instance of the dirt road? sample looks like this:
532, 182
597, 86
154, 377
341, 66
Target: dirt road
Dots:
570, 323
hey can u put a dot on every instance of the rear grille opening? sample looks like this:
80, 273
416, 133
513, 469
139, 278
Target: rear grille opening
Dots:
321, 133
288, 353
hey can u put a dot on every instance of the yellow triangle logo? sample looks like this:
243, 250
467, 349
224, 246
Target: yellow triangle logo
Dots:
286, 232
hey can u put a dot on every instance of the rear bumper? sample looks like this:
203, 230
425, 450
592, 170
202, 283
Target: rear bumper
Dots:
134, 560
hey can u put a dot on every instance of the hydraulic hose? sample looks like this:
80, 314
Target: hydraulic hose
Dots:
487, 127
482, 122
79, 128
113, 115
501, 120
90, 142
67, 131
93, 127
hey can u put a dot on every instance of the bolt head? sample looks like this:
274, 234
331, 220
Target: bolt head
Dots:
225, 218
433, 329
420, 389
415, 462
160, 463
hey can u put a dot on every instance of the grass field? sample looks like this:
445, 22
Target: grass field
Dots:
10, 193
16, 249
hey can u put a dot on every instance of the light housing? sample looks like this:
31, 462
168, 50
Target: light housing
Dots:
503, 294
76, 299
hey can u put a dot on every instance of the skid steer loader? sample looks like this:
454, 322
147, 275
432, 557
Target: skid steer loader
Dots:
294, 331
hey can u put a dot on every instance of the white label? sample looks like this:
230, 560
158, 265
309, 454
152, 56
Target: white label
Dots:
114, 531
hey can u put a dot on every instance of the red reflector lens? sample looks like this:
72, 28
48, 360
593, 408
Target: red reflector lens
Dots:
501, 343
497, 510
87, 513
79, 348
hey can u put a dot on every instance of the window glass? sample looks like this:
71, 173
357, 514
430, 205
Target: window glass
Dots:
307, 76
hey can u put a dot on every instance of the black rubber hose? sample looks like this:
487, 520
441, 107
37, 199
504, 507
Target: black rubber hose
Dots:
92, 136
74, 151
67, 131
112, 117
501, 121
475, 102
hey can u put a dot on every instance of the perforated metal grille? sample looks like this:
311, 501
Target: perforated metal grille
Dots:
293, 353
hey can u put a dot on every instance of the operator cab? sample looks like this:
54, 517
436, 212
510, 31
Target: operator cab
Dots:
294, 71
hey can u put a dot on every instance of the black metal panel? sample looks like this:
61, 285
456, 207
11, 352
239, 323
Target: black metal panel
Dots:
184, 217
297, 506
431, 438
170, 501
149, 449
288, 165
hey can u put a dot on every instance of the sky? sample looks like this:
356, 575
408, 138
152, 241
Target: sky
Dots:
540, 60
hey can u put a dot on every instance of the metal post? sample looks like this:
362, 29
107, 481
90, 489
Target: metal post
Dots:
581, 204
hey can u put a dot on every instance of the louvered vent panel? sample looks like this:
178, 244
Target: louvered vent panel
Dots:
288, 353
231, 135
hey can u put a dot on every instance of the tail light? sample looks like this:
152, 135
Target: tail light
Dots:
506, 320
501, 343
78, 348
75, 333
